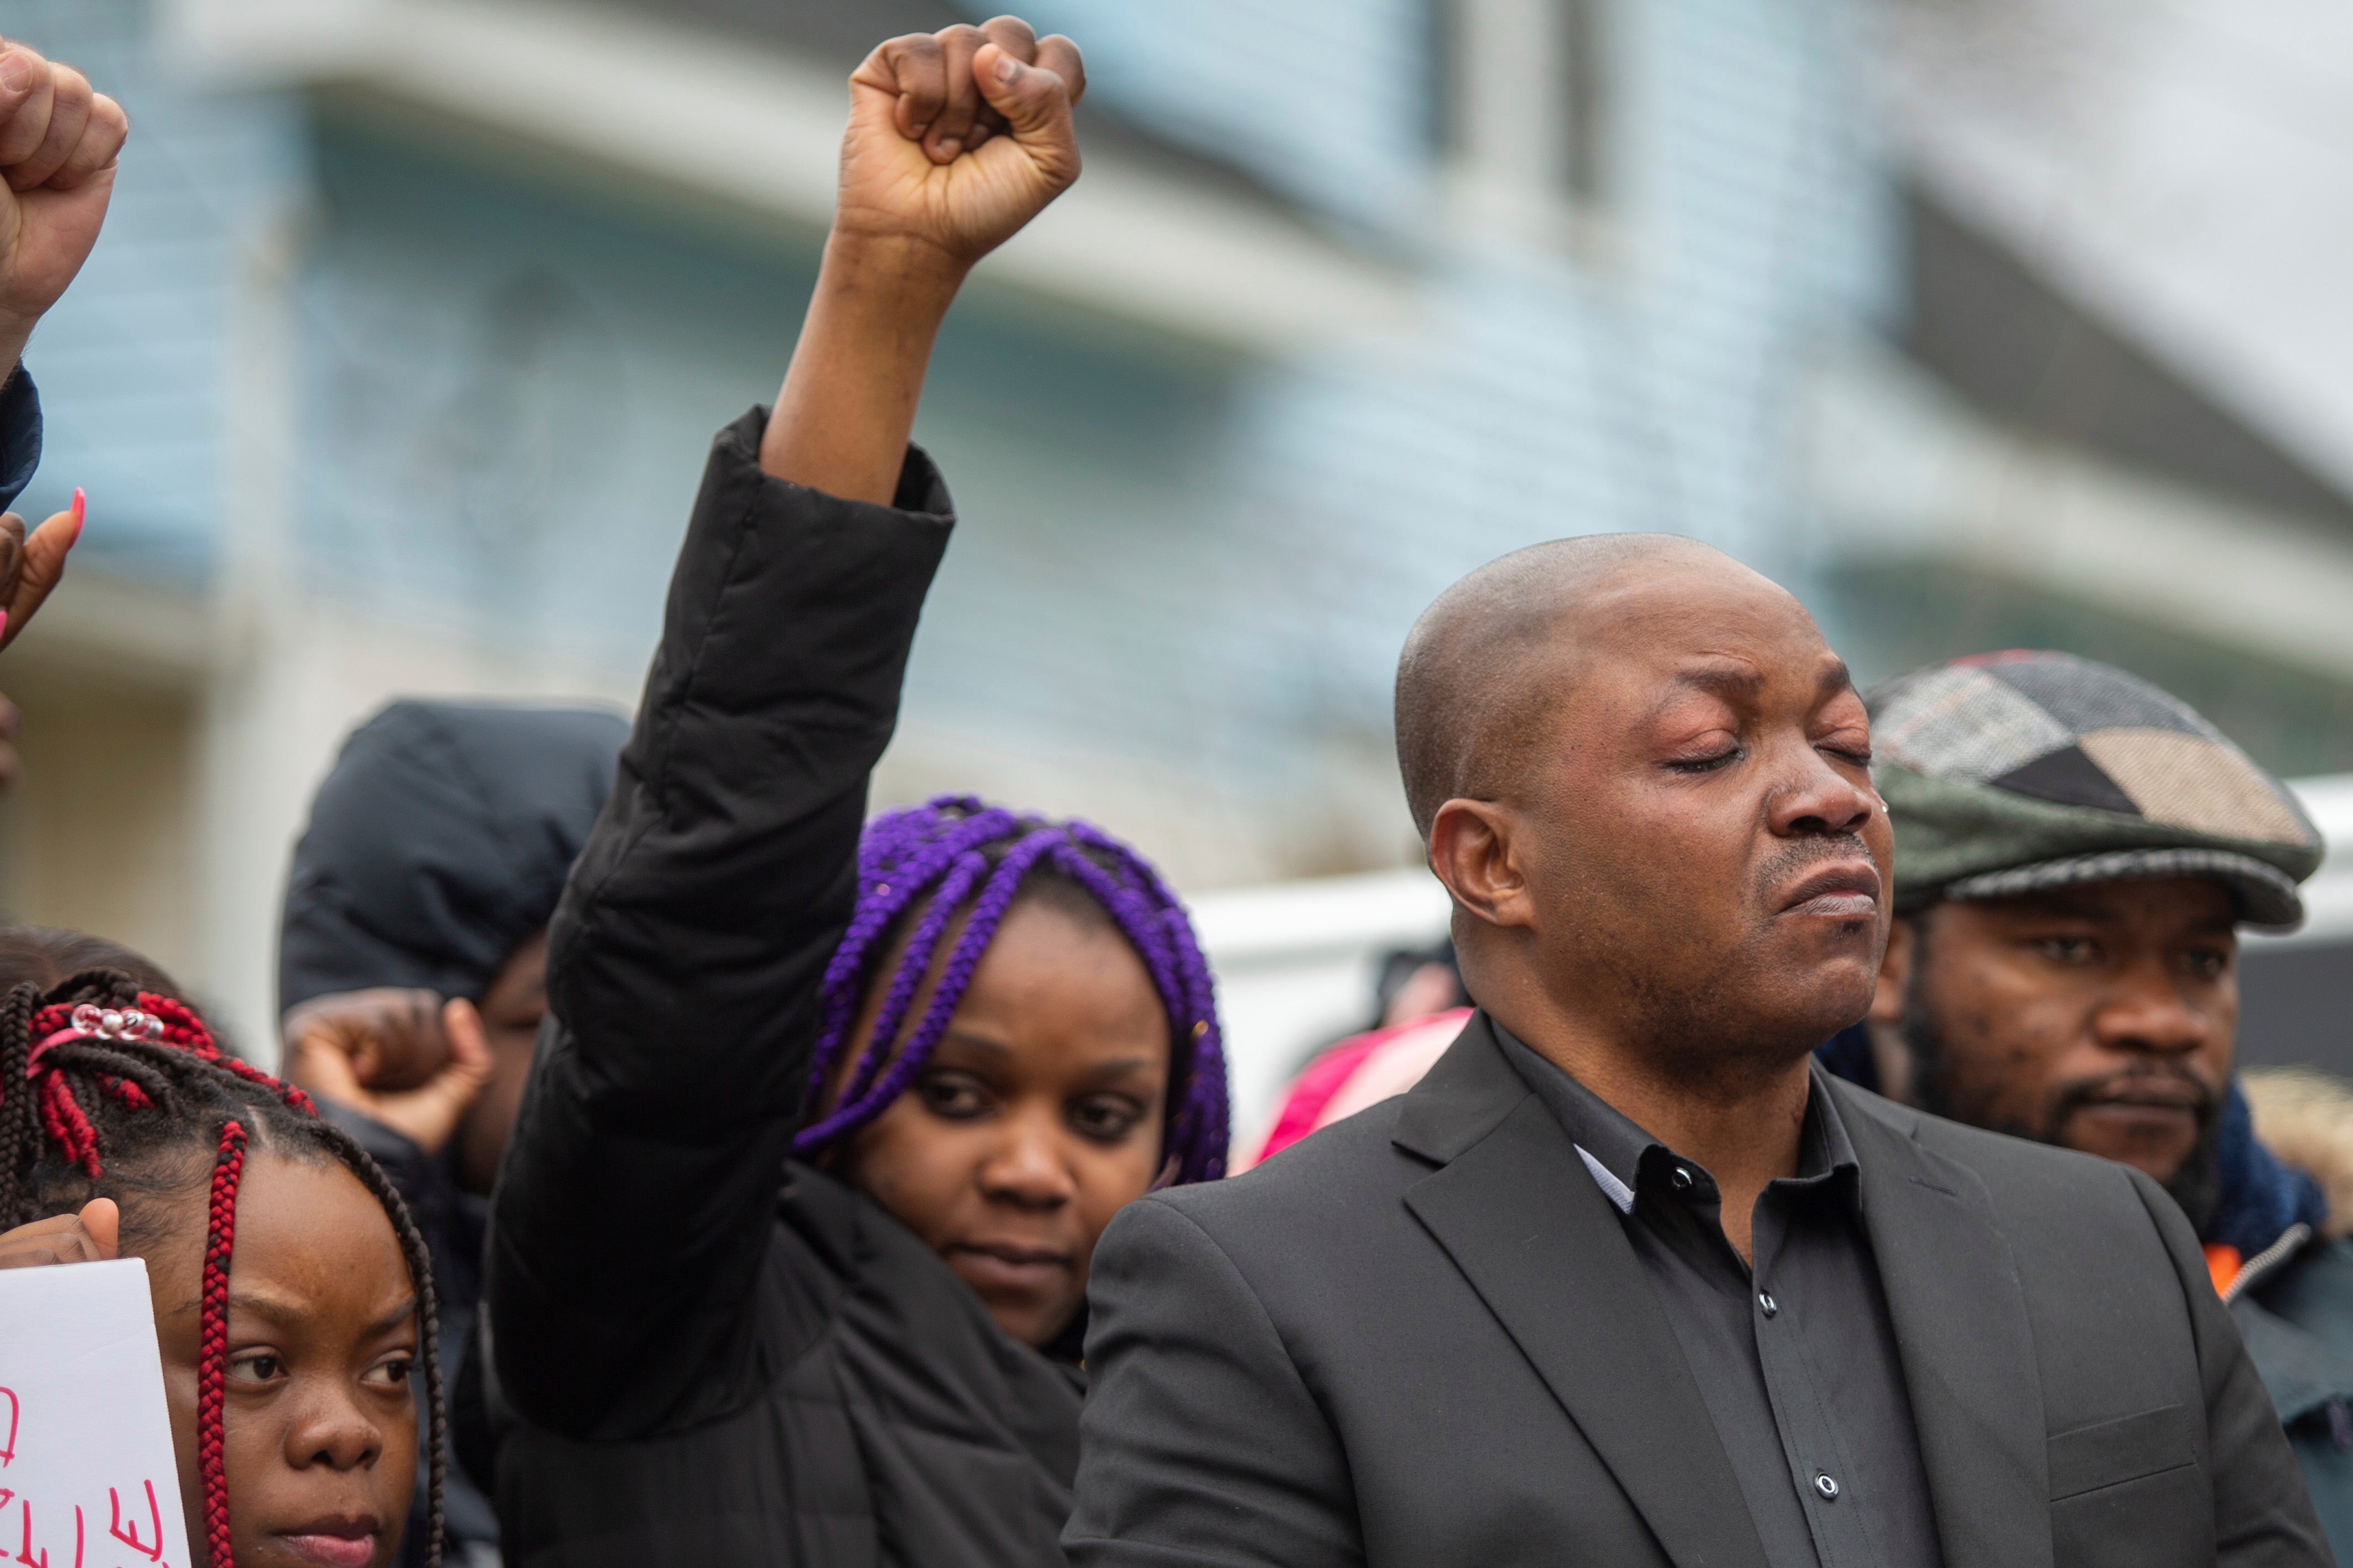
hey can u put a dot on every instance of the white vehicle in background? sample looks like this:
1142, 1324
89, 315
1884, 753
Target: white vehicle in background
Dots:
1296, 965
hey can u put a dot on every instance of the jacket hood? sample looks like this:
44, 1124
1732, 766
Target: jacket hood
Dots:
2261, 1196
2305, 1117
439, 843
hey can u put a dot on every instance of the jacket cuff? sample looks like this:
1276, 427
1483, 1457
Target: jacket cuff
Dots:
920, 490
20, 434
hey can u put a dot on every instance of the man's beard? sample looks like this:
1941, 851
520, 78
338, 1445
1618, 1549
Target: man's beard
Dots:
2197, 1186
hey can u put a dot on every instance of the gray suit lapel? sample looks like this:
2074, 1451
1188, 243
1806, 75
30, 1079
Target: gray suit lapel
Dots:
1515, 1210
1962, 1330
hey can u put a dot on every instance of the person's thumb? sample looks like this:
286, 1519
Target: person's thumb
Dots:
468, 1067
44, 569
102, 1221
1035, 101
429, 1115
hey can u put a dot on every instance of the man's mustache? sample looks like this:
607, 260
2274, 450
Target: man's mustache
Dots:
2200, 1098
1803, 855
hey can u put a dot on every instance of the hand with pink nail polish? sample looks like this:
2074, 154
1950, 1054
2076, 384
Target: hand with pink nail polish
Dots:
31, 567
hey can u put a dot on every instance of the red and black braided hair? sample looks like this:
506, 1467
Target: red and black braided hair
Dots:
109, 1091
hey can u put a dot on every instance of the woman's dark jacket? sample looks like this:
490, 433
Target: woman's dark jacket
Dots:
700, 1351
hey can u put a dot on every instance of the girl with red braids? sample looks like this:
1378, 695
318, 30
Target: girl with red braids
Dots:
789, 1252
292, 1295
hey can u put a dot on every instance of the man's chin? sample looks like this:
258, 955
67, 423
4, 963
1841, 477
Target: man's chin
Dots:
2157, 1142
2183, 1160
1836, 996
1763, 1006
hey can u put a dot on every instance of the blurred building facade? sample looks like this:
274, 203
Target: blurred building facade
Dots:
396, 370
397, 364
2112, 395
2111, 413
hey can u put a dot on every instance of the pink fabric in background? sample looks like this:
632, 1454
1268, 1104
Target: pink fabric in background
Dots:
1359, 1072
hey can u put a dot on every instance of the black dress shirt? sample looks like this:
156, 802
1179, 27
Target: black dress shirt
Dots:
1795, 1358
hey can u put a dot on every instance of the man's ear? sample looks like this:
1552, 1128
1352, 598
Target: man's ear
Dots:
1470, 849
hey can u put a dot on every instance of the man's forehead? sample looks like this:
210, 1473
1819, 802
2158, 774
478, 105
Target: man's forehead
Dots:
1579, 600
1570, 631
1719, 662
1737, 677
1712, 607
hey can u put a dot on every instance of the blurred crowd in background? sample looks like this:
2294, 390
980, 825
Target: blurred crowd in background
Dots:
1979, 323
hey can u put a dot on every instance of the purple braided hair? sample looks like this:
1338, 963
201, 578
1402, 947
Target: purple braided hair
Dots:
954, 849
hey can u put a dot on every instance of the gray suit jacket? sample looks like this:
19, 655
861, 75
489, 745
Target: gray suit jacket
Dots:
1422, 1337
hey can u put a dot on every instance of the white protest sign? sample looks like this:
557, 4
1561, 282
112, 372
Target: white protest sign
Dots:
87, 1476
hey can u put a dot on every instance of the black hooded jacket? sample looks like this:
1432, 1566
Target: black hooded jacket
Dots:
437, 846
704, 1353
439, 843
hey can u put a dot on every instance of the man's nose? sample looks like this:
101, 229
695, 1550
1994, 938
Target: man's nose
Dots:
2145, 1012
1816, 798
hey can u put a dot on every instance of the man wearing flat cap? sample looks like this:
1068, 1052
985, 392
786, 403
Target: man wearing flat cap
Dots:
2074, 851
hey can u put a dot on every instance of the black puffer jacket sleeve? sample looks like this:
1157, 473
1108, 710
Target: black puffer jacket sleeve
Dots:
638, 1193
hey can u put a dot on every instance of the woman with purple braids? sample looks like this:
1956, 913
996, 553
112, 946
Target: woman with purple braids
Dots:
788, 1255
1013, 1003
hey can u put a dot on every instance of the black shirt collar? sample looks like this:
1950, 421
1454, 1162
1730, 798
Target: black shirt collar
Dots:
1623, 1159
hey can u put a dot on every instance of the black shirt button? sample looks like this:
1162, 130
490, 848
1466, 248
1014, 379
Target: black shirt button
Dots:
1679, 1178
1766, 1304
1827, 1487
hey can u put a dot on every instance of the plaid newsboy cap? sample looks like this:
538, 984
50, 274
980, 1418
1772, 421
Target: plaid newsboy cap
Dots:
2011, 773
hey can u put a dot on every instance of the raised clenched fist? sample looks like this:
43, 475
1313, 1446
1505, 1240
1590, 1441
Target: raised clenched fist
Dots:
958, 138
58, 140
407, 1059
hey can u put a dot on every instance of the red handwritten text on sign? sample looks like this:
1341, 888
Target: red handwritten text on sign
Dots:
41, 1525
87, 1475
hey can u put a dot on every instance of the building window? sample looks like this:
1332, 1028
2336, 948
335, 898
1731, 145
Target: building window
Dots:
1520, 99
1585, 84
